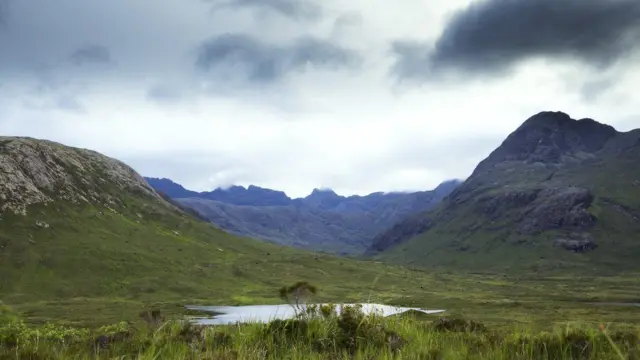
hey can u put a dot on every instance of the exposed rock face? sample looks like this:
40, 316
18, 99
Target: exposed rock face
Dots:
577, 242
558, 208
495, 206
550, 138
37, 171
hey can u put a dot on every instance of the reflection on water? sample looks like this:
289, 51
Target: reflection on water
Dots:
225, 315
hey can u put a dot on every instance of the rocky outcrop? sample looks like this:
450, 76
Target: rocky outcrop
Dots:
558, 208
577, 242
497, 205
37, 171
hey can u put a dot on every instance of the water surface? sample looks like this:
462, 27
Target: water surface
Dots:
225, 315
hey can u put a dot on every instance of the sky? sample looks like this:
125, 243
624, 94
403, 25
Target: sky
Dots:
358, 96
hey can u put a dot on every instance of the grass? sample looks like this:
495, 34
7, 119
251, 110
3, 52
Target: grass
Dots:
94, 267
348, 336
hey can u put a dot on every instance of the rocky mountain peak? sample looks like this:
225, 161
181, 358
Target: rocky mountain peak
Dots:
37, 171
322, 192
323, 198
551, 138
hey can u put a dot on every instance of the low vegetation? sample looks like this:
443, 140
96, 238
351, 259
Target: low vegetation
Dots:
351, 335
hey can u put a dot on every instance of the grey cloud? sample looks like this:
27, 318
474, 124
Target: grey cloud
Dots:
164, 93
489, 37
63, 102
347, 20
297, 9
227, 169
265, 63
91, 54
53, 89
48, 79
592, 89
4, 12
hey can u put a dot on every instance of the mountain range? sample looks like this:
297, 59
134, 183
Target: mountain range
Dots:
321, 221
558, 196
558, 193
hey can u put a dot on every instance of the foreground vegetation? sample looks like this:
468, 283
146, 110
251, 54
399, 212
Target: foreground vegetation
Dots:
348, 336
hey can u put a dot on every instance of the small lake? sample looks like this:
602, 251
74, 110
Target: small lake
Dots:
227, 315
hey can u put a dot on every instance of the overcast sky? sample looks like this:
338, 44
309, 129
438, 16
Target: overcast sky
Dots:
358, 96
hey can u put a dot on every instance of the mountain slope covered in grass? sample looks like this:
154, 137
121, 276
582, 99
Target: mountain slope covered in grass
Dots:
557, 194
83, 237
322, 221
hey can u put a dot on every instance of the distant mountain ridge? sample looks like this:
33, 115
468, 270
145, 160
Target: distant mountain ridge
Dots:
557, 193
236, 195
321, 221
258, 196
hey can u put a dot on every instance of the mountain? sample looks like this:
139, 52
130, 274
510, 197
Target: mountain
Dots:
322, 221
557, 194
83, 233
235, 195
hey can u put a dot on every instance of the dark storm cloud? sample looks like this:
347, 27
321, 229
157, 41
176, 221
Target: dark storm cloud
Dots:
264, 63
488, 37
297, 9
91, 54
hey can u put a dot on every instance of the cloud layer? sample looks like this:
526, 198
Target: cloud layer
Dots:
295, 95
260, 62
296, 9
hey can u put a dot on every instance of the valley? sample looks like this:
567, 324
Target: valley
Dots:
539, 236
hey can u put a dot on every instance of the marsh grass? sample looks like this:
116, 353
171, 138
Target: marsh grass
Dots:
350, 335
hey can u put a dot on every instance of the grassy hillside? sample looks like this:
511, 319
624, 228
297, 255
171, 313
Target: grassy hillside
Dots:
558, 195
